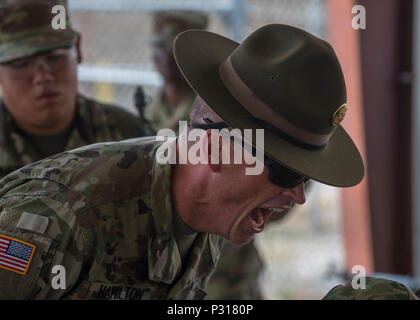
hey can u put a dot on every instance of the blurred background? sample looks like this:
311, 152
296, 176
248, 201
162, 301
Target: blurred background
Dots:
375, 224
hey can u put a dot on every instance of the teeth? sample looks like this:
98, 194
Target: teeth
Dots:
257, 219
260, 220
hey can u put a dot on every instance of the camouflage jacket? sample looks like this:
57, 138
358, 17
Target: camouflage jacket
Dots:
104, 213
94, 122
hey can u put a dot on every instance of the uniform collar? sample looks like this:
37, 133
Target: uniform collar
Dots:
164, 260
16, 151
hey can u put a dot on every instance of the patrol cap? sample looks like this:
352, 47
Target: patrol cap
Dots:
168, 24
26, 28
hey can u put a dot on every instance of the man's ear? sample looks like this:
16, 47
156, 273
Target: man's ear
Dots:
78, 46
214, 142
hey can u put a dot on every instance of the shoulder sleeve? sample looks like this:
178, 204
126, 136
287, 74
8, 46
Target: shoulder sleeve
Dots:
110, 121
43, 244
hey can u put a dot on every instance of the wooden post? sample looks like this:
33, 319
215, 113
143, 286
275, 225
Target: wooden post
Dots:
355, 202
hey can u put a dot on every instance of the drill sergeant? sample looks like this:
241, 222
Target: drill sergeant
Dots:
125, 224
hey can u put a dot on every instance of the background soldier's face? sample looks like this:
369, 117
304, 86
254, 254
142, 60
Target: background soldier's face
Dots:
40, 91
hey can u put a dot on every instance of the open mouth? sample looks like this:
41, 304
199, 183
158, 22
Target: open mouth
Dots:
260, 216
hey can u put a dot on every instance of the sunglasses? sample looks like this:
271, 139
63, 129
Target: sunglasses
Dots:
278, 174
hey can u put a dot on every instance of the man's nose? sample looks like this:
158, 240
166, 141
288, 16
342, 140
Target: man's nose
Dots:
296, 194
41, 71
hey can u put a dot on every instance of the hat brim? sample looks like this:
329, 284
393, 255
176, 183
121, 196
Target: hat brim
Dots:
37, 43
198, 55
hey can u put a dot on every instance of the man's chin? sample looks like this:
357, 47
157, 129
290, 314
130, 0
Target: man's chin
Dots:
50, 123
242, 240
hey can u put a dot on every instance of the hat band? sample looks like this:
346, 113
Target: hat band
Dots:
261, 111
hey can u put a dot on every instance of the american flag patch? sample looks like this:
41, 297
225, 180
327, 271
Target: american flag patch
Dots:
15, 255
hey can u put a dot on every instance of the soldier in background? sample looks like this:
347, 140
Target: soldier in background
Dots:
41, 113
172, 102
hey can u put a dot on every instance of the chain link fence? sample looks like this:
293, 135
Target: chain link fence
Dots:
115, 36
117, 58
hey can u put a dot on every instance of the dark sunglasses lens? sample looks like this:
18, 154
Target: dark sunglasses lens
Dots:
284, 177
278, 174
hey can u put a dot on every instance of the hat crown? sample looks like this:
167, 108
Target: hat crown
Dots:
26, 28
295, 73
24, 15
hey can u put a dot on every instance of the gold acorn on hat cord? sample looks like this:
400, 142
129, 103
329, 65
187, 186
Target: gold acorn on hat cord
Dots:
339, 115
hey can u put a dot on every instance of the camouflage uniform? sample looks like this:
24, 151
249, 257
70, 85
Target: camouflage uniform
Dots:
104, 212
94, 122
376, 289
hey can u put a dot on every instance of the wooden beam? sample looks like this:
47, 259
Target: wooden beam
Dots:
355, 201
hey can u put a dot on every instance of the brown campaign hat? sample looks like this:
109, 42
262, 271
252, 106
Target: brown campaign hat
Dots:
286, 81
